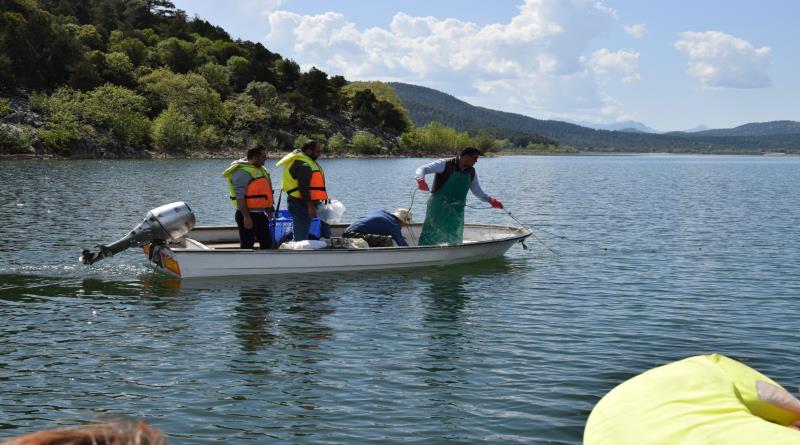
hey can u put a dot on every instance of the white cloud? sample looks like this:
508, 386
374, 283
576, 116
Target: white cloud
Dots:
721, 60
534, 64
625, 63
635, 30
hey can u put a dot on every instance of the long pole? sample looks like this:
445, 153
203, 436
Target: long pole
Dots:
275, 216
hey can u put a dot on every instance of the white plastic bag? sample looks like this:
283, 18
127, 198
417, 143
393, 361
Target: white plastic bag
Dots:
331, 212
304, 245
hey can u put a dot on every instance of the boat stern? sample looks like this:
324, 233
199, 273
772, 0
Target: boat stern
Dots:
162, 259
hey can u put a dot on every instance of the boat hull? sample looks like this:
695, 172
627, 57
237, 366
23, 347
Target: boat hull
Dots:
199, 260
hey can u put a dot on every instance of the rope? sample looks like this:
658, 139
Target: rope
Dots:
529, 227
538, 229
410, 209
533, 233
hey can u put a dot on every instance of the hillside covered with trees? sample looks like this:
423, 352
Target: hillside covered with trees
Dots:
133, 78
774, 128
426, 105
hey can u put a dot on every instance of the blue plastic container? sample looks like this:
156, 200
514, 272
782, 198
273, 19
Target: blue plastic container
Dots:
283, 226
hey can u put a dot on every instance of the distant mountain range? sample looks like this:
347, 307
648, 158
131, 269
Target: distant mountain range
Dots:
425, 105
696, 129
755, 129
629, 126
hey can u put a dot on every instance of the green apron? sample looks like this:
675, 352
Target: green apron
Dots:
444, 220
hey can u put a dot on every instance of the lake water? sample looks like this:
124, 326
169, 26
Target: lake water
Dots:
648, 259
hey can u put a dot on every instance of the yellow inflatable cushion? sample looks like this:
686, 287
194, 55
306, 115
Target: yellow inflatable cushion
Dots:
706, 400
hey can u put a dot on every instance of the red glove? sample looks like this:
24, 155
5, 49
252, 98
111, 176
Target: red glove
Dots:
496, 204
422, 185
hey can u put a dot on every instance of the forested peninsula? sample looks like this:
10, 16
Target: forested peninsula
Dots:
140, 79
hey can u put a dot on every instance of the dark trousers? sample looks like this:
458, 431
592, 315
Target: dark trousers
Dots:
260, 231
301, 223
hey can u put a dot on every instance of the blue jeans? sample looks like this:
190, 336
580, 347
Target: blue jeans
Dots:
301, 223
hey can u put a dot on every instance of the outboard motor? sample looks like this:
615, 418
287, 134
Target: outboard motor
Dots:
162, 224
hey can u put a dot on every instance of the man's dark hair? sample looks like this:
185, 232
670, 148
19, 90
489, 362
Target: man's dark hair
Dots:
255, 151
309, 145
471, 151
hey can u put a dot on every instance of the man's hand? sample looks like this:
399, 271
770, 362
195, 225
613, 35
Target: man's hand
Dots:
312, 210
422, 185
248, 221
496, 204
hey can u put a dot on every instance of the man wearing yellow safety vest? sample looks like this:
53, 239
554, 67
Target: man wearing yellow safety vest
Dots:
250, 191
304, 183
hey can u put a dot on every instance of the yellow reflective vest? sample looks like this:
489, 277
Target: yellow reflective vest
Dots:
259, 190
289, 184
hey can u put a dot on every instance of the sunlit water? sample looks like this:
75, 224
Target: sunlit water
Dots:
639, 261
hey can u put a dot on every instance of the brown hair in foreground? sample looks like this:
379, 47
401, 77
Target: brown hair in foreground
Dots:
116, 432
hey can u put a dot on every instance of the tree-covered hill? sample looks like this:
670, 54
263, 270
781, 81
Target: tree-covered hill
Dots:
425, 104
133, 78
774, 128
122, 78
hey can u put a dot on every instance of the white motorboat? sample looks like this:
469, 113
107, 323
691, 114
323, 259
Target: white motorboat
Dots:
173, 245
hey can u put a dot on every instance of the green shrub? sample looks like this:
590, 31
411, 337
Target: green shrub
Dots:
239, 69
121, 110
118, 69
435, 138
217, 77
266, 97
63, 109
210, 137
300, 140
64, 100
502, 144
246, 115
174, 131
89, 37
177, 54
14, 139
319, 137
263, 93
136, 51
58, 140
365, 142
377, 104
380, 90
337, 143
5, 107
188, 93
483, 141
410, 141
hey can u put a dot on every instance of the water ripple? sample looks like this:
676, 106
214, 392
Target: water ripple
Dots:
639, 261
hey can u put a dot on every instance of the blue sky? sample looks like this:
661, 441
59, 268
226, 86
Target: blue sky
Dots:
672, 65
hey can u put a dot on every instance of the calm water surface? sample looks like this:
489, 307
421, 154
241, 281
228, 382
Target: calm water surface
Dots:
656, 258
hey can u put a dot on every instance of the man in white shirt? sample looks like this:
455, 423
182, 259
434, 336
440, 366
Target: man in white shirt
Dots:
444, 221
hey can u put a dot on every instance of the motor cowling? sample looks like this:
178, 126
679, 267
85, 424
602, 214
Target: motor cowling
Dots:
169, 222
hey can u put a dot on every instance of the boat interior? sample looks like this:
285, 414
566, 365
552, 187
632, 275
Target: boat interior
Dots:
227, 237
